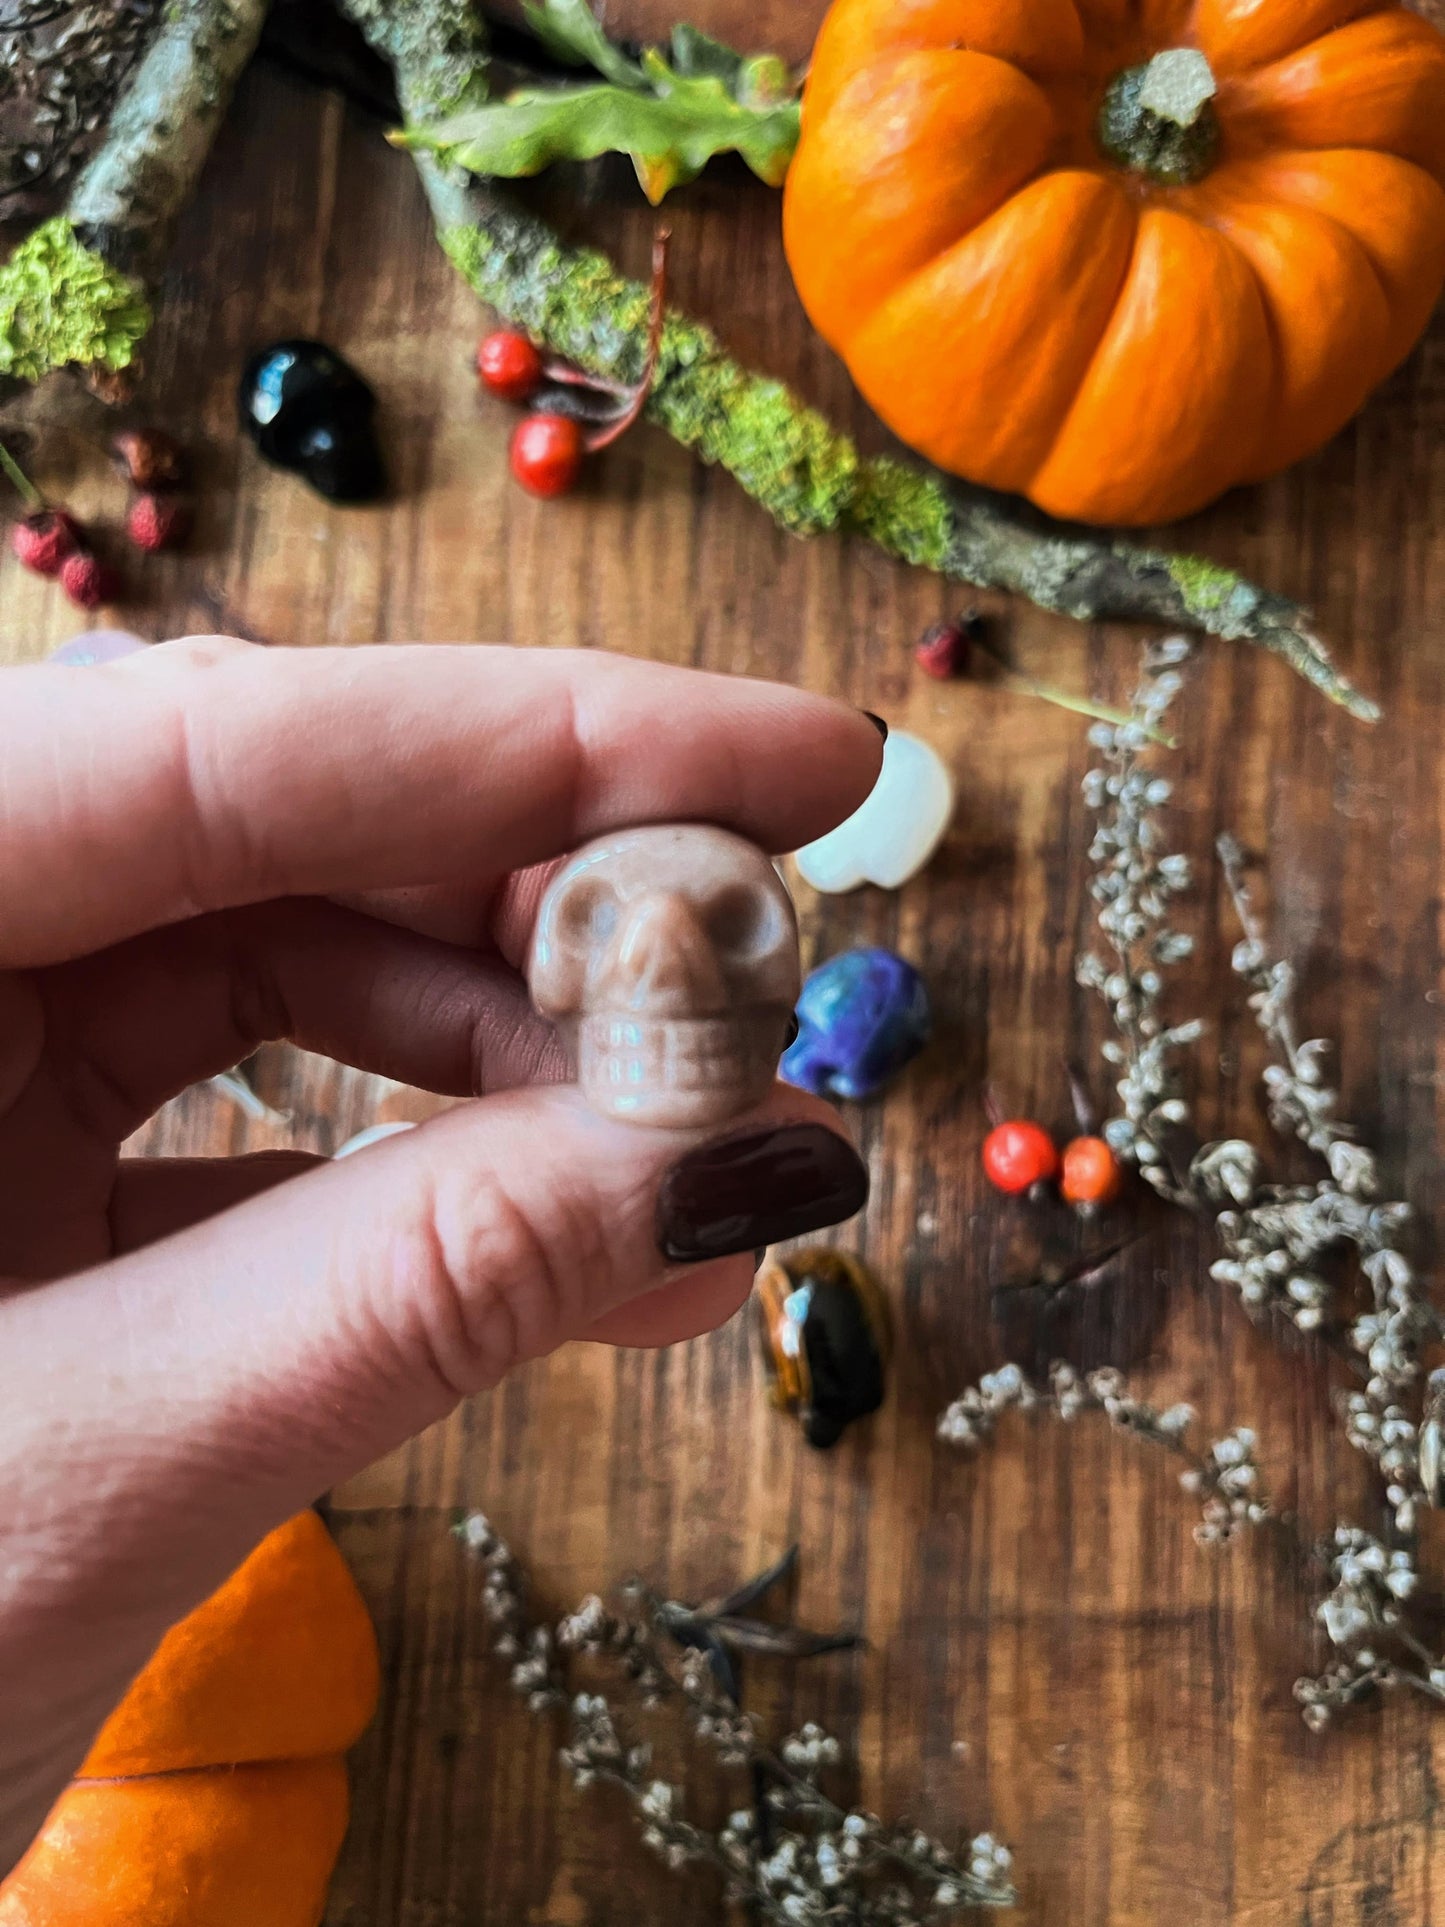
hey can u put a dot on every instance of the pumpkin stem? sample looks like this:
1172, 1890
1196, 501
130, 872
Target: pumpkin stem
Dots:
1159, 120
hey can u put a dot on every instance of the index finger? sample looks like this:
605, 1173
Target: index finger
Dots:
205, 774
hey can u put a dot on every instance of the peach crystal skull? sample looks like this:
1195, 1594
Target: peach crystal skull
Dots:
668, 958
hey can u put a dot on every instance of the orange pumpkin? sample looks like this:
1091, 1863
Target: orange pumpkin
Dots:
1060, 267
215, 1795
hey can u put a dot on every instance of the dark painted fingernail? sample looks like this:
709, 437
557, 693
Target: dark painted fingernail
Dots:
757, 1189
877, 722
792, 1037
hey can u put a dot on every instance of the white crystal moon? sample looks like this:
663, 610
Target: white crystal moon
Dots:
373, 1134
894, 833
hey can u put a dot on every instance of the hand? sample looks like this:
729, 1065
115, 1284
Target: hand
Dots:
208, 845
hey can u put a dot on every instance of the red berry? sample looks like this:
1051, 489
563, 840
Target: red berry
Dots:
158, 522
547, 454
947, 648
943, 651
1018, 1155
1091, 1174
509, 365
87, 580
43, 540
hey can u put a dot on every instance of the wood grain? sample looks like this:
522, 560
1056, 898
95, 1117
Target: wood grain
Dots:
1049, 1654
785, 27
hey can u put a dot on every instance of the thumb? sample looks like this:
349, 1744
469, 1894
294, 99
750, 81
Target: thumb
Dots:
208, 1385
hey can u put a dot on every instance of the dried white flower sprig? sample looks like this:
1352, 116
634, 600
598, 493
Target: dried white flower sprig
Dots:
1134, 883
1276, 1236
1278, 1240
1364, 1619
1223, 1475
794, 1855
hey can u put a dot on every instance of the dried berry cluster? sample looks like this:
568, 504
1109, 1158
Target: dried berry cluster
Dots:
793, 1855
51, 542
1363, 1617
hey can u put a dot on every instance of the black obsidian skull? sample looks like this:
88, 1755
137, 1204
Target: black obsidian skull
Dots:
308, 410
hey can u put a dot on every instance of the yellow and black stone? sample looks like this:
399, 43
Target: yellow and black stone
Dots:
826, 1338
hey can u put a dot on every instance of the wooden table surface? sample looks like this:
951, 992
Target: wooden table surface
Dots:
1048, 1654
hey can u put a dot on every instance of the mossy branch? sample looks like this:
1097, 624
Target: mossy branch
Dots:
811, 479
74, 292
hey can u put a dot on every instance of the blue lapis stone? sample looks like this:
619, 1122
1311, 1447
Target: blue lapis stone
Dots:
862, 1016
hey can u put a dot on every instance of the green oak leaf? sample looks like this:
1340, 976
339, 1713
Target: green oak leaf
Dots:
669, 135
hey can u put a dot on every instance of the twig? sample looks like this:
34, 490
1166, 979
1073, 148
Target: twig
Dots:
1026, 685
21, 483
126, 201
656, 314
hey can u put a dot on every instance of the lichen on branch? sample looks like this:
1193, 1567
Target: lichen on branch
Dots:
61, 303
436, 49
126, 201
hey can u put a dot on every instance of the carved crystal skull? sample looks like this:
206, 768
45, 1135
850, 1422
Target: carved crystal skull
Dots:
668, 958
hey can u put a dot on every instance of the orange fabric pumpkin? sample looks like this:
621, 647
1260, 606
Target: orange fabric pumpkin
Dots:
1119, 336
215, 1795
